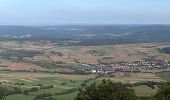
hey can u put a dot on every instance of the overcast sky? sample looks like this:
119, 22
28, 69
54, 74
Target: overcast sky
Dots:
54, 12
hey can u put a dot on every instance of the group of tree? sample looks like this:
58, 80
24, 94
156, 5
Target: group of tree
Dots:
5, 92
44, 96
33, 89
60, 54
108, 90
19, 54
47, 87
165, 50
163, 92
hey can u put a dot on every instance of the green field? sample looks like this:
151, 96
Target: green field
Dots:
144, 90
60, 82
164, 75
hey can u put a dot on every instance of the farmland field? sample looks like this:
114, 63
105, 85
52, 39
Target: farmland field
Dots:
53, 69
28, 80
144, 90
164, 75
65, 82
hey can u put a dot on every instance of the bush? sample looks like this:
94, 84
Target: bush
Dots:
18, 83
34, 89
44, 96
25, 92
47, 87
63, 83
38, 85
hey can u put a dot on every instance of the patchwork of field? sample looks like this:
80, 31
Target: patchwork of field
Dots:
30, 65
63, 82
91, 54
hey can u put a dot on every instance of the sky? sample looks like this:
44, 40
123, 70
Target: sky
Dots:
57, 12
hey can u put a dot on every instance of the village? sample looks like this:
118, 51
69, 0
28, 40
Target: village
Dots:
136, 66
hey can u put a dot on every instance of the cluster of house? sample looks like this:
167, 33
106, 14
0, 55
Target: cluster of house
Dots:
45, 44
136, 66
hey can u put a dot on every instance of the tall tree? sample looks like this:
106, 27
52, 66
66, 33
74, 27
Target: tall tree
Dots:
107, 90
3, 93
163, 92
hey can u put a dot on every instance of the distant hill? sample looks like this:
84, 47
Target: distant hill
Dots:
89, 34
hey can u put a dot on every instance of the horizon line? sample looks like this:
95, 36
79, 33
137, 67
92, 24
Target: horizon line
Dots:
79, 24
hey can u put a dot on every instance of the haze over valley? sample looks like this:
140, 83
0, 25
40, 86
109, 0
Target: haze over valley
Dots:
84, 50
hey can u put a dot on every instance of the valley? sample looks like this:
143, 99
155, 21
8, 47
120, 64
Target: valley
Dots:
62, 69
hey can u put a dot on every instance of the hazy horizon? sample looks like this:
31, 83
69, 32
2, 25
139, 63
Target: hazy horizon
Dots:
83, 12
